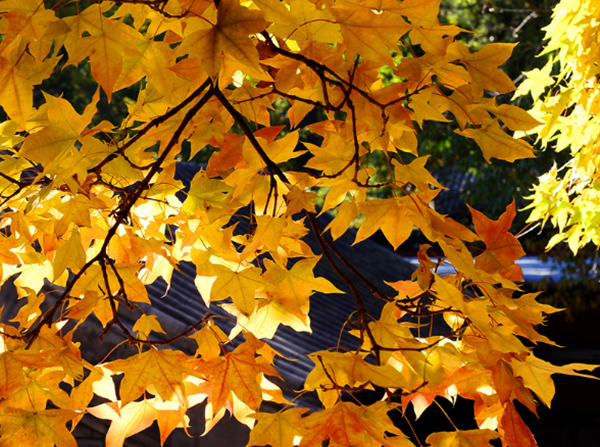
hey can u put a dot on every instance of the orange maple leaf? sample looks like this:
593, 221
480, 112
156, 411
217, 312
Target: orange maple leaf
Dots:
236, 372
516, 433
348, 425
462, 438
164, 369
502, 248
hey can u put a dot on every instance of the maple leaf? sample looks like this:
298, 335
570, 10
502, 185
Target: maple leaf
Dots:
346, 213
16, 92
164, 369
416, 174
267, 318
42, 386
370, 35
387, 332
12, 376
505, 383
388, 215
515, 431
502, 248
146, 324
126, 421
236, 372
494, 143
209, 340
241, 286
45, 428
461, 438
514, 117
347, 425
107, 42
71, 252
536, 375
293, 287
483, 66
65, 126
336, 369
229, 34
276, 429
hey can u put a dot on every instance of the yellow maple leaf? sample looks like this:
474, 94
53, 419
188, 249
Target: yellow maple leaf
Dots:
107, 43
209, 340
238, 372
12, 376
43, 386
45, 428
293, 287
242, 286
267, 235
71, 252
298, 200
265, 321
370, 35
347, 211
387, 332
127, 420
514, 117
49, 145
462, 438
16, 92
276, 429
305, 22
495, 143
415, 173
387, 215
483, 66
228, 33
347, 368
536, 375
146, 324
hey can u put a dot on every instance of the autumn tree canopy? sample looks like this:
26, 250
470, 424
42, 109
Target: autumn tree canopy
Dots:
91, 211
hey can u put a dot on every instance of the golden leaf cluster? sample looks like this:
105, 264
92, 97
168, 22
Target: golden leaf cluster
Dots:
566, 92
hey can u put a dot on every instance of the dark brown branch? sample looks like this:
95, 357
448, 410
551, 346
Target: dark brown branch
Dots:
130, 200
362, 318
121, 214
377, 293
154, 123
272, 167
12, 180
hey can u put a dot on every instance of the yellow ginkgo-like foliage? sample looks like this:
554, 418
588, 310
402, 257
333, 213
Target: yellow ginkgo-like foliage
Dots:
567, 101
92, 214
